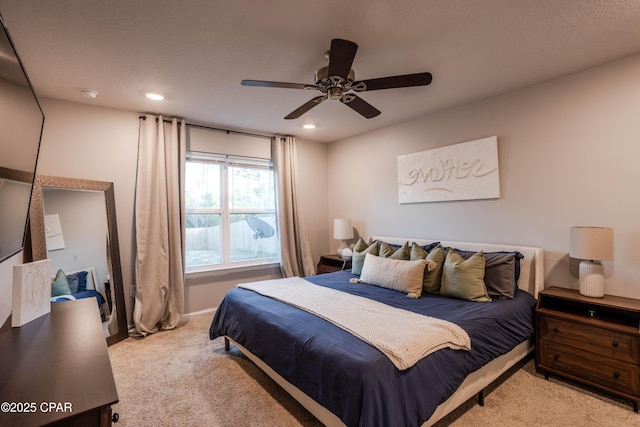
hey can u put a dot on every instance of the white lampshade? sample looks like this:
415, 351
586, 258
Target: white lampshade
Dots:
591, 244
342, 229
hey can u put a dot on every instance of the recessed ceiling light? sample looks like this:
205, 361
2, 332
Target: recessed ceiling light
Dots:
155, 96
309, 126
89, 93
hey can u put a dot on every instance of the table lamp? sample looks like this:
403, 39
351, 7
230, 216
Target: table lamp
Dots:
342, 230
591, 244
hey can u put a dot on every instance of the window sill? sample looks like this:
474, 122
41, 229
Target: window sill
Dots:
228, 270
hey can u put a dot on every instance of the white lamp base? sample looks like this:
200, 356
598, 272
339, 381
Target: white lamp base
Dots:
342, 247
591, 279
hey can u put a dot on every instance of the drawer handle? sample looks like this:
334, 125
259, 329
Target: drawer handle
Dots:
555, 330
616, 375
556, 356
615, 344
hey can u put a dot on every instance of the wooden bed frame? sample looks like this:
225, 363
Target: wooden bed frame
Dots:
531, 280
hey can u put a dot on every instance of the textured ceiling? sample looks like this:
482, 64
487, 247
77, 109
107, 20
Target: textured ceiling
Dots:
196, 52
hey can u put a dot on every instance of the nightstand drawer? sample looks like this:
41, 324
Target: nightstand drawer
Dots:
597, 340
616, 375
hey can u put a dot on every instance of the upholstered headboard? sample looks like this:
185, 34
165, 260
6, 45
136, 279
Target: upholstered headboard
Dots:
531, 266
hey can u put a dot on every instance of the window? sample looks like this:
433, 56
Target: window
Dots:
230, 212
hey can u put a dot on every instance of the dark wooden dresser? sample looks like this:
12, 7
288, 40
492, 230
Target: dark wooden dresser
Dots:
595, 341
56, 369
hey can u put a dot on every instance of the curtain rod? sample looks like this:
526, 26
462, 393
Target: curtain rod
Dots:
227, 131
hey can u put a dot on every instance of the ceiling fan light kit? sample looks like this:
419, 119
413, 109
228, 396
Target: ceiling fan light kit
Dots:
337, 81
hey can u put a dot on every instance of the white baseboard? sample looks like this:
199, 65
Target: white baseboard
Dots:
205, 312
187, 316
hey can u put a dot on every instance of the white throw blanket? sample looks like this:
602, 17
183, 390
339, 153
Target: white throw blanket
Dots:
403, 336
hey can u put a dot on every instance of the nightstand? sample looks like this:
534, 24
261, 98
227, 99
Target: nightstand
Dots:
594, 341
331, 263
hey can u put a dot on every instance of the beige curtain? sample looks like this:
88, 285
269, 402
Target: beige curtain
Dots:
294, 244
159, 219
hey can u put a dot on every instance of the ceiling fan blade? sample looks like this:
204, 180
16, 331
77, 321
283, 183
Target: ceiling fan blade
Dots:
359, 105
306, 107
262, 83
341, 57
406, 80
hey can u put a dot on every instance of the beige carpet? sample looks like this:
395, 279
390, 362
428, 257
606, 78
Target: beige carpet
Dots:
181, 378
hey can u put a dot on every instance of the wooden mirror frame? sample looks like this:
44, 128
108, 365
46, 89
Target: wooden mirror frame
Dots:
38, 242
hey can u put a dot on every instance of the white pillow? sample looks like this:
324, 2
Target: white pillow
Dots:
396, 274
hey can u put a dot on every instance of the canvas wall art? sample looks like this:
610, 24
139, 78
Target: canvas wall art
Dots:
53, 232
31, 291
464, 171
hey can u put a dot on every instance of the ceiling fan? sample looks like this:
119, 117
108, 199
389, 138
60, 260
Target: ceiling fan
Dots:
337, 81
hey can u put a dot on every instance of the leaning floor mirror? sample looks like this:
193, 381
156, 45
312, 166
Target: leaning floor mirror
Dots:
73, 223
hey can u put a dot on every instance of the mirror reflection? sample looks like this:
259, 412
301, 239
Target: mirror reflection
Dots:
21, 121
77, 240
73, 224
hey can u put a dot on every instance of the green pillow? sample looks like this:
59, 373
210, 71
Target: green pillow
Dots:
464, 279
60, 285
359, 251
432, 279
402, 253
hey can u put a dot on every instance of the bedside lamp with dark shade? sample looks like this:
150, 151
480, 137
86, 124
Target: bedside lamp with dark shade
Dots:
591, 244
342, 230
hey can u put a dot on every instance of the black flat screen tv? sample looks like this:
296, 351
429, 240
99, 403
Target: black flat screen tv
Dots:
21, 123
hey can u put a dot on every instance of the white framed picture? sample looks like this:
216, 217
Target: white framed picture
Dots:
53, 232
464, 171
31, 291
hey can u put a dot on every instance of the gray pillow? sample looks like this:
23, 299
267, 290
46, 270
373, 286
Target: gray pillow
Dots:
501, 272
464, 279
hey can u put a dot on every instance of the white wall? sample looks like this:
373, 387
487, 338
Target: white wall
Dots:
568, 154
312, 180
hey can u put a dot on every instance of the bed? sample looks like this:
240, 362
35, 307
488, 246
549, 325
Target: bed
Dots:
78, 284
343, 380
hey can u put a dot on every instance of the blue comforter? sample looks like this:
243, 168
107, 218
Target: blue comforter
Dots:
89, 293
354, 380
